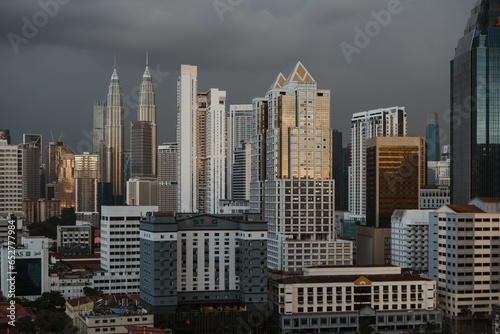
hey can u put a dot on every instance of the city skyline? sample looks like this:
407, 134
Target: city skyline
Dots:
298, 25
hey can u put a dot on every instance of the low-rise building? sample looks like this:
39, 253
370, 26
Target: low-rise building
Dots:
106, 319
344, 298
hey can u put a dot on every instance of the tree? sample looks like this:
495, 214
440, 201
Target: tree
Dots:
50, 301
91, 292
52, 321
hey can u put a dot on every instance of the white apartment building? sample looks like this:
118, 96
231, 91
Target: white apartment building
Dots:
340, 298
120, 256
410, 239
11, 178
74, 240
385, 122
187, 105
464, 257
215, 149
142, 191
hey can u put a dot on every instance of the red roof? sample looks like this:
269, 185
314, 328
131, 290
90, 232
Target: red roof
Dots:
79, 301
21, 311
465, 208
489, 199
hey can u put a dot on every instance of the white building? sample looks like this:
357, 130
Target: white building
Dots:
215, 149
167, 177
433, 197
410, 239
142, 191
464, 258
31, 272
340, 298
386, 122
71, 284
112, 320
187, 105
120, 256
11, 178
240, 128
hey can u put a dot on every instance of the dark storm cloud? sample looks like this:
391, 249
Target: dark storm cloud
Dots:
50, 83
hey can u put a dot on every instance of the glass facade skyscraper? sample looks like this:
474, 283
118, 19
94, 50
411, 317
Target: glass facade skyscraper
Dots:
475, 107
432, 137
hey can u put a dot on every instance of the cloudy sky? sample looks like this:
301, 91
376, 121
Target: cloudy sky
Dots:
57, 56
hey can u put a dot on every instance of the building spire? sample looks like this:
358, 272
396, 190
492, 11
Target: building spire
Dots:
114, 66
147, 59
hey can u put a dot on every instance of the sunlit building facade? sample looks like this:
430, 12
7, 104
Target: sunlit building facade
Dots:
297, 185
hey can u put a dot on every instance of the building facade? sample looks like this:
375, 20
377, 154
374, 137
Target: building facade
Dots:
120, 255
32, 159
432, 138
142, 191
216, 262
433, 197
296, 188
475, 140
395, 171
386, 122
167, 177
11, 177
344, 298
86, 177
464, 260
410, 240
114, 138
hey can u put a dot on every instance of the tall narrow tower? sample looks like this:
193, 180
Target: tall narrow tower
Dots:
187, 88
114, 134
143, 132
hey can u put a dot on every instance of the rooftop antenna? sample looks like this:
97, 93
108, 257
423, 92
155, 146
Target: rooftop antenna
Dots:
147, 58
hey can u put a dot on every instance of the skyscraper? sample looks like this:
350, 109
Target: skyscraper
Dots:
432, 138
143, 132
167, 177
339, 172
386, 122
115, 139
395, 170
201, 136
86, 174
475, 115
32, 157
297, 188
99, 138
11, 177
54, 152
187, 88
240, 127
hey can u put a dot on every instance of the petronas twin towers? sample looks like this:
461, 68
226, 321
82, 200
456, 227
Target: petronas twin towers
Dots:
143, 135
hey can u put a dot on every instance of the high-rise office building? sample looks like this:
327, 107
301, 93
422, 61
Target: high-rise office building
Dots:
201, 136
32, 157
386, 122
432, 138
241, 172
475, 116
65, 186
143, 132
11, 178
298, 188
54, 152
395, 170
240, 127
167, 177
340, 172
98, 137
86, 175
114, 135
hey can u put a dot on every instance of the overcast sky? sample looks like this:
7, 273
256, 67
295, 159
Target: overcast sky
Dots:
56, 61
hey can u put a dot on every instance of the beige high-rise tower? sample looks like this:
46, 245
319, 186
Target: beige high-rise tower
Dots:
298, 189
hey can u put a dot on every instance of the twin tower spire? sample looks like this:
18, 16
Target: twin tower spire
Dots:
143, 135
